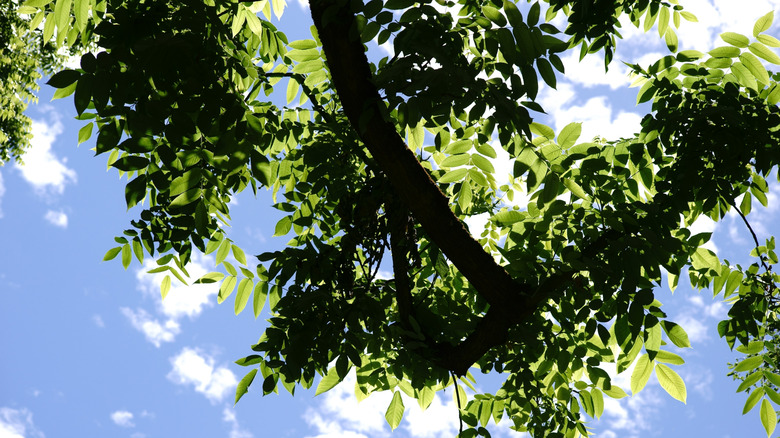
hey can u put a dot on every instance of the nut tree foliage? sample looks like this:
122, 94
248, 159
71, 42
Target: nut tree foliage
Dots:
24, 55
382, 161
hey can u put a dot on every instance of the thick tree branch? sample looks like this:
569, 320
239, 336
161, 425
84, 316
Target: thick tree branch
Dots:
363, 106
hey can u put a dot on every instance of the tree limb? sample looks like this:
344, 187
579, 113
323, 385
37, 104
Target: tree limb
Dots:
363, 106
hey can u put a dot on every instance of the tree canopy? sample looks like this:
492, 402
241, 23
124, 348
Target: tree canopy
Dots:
25, 53
378, 162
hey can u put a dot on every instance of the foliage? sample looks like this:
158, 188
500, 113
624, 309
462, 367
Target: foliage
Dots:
24, 54
185, 98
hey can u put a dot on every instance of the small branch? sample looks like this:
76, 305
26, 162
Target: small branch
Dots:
457, 398
750, 228
299, 78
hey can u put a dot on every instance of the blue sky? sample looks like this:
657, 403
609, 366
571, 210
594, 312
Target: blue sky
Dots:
89, 349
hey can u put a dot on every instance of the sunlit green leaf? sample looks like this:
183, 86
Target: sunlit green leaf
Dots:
671, 382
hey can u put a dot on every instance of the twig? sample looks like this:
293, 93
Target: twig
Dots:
750, 228
457, 398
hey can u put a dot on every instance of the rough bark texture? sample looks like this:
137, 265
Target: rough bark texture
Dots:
362, 104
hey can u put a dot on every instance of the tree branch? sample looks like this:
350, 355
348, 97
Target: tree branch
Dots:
363, 106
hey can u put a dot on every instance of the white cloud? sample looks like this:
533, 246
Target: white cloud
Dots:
590, 71
2, 192
191, 367
98, 320
17, 423
696, 329
57, 218
704, 224
229, 416
123, 418
181, 301
699, 318
47, 173
155, 331
699, 379
339, 414
596, 115
440, 420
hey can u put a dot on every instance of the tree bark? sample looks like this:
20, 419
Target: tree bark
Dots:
349, 69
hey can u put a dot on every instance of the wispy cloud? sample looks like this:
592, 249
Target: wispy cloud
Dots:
191, 367
229, 416
57, 218
182, 301
155, 331
47, 173
123, 418
18, 423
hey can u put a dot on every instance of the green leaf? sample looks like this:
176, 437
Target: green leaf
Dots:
676, 334
507, 217
283, 226
641, 374
689, 16
187, 181
768, 40
772, 377
165, 286
252, 359
85, 133
763, 23
292, 90
244, 292
81, 10
425, 397
458, 147
130, 163
239, 255
330, 380
576, 189
455, 160
569, 135
226, 288
453, 176
668, 357
127, 255
764, 52
724, 52
752, 400
598, 402
223, 251
395, 412
704, 258
111, 253
260, 294
63, 78
615, 392
464, 196
62, 13
546, 71
756, 68
243, 385
186, 198
671, 382
482, 163
542, 130
749, 364
671, 40
735, 39
768, 417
